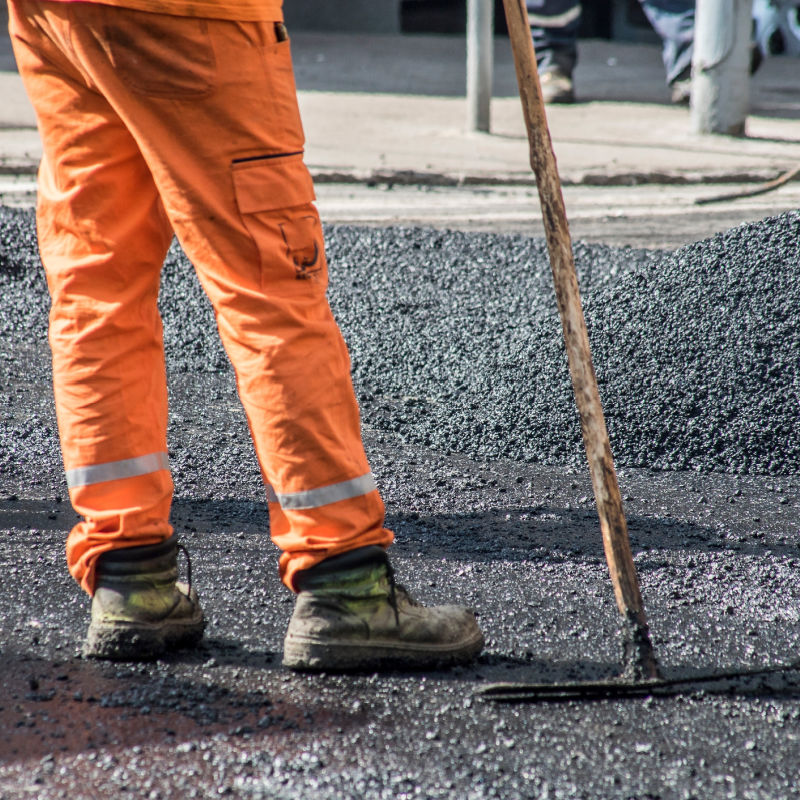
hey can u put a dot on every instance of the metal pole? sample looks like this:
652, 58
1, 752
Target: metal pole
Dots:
721, 66
480, 60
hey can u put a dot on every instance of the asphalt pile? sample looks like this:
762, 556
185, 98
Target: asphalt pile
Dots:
456, 343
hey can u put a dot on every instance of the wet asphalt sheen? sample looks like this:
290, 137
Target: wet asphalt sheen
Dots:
474, 441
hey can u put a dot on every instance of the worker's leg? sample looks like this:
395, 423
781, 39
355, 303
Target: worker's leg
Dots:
673, 21
212, 106
103, 236
554, 28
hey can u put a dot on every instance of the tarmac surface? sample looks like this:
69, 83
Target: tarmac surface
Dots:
717, 555
716, 545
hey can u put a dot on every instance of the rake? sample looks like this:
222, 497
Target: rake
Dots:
640, 675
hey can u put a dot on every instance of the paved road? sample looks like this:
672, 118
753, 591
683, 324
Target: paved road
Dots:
653, 216
717, 556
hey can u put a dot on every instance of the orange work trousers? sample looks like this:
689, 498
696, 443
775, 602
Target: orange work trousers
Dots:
152, 124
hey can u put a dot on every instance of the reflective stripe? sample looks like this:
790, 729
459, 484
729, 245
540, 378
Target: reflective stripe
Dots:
558, 21
271, 496
115, 470
314, 498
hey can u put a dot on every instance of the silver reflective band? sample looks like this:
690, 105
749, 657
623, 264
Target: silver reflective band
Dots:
558, 21
271, 496
314, 498
115, 470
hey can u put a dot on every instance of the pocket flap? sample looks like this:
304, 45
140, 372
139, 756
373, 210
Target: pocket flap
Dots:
271, 183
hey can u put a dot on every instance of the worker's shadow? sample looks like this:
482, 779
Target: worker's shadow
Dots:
144, 704
515, 533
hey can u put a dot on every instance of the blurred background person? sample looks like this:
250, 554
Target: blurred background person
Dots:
554, 28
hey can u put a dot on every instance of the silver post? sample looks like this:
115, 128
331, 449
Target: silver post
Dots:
721, 66
480, 60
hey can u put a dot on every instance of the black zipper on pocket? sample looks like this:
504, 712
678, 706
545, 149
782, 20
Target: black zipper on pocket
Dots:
266, 158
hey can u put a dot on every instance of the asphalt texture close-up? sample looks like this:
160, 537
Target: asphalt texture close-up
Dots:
472, 433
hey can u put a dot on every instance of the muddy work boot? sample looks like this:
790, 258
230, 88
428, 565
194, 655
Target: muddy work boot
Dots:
350, 615
139, 609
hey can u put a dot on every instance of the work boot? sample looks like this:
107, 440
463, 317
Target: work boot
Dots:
557, 86
350, 615
139, 608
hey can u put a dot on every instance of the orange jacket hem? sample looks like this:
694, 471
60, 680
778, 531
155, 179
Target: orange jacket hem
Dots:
240, 10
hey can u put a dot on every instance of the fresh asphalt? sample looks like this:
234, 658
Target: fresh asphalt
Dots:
512, 533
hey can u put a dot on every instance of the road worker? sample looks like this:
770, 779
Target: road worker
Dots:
162, 116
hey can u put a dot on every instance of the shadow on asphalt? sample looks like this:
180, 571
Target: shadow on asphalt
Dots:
554, 534
514, 533
75, 705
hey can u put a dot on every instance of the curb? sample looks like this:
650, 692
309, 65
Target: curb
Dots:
18, 168
404, 177
635, 178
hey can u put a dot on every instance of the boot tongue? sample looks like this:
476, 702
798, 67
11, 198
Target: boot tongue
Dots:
359, 582
363, 572
136, 560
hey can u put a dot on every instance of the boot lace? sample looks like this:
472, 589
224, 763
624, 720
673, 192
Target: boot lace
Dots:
182, 549
394, 589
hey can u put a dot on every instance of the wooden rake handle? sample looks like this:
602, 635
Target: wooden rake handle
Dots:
587, 397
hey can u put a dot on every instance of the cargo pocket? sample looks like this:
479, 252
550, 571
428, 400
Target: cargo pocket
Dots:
274, 195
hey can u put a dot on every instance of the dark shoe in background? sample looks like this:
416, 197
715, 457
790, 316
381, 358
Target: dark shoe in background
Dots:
557, 86
681, 87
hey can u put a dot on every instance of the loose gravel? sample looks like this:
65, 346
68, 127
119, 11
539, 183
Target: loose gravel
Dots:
457, 345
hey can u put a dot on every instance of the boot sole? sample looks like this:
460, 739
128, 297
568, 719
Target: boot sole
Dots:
141, 641
314, 655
